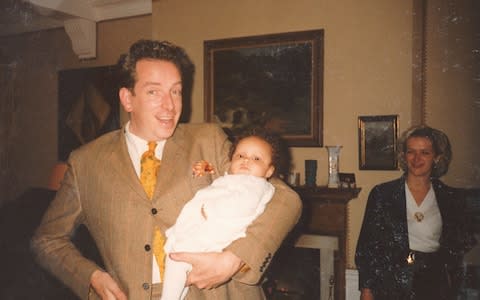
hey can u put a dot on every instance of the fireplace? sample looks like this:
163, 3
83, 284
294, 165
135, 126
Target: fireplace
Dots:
323, 226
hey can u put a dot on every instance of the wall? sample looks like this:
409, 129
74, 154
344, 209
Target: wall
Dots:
32, 110
367, 72
33, 126
453, 88
453, 84
367, 65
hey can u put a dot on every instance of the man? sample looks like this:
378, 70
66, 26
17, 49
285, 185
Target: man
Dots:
103, 190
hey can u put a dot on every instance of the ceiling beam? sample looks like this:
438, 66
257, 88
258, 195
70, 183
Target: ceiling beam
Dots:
83, 34
123, 9
81, 9
79, 18
97, 11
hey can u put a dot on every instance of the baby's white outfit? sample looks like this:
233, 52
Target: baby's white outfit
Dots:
215, 217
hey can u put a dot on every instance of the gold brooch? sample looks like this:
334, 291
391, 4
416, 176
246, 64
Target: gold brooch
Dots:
419, 216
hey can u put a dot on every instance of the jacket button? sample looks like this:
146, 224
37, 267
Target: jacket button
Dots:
145, 286
154, 211
147, 247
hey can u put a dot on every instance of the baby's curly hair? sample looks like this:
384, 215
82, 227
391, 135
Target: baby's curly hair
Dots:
279, 149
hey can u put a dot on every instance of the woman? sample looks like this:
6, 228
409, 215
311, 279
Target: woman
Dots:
414, 232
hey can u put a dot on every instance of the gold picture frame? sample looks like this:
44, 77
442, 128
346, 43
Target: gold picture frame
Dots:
377, 139
273, 81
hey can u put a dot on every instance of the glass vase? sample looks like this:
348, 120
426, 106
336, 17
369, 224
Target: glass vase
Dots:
333, 166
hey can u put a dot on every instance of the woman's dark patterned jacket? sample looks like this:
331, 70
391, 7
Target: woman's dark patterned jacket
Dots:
383, 244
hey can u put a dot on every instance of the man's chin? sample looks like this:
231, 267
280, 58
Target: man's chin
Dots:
165, 134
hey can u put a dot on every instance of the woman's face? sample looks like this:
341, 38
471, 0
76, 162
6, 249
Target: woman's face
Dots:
420, 156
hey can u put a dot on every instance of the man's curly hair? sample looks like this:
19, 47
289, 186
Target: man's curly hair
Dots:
157, 50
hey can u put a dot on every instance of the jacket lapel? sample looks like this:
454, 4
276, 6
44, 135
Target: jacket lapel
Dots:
441, 195
169, 166
122, 165
399, 213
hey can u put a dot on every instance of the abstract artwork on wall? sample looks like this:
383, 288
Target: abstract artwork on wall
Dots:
88, 106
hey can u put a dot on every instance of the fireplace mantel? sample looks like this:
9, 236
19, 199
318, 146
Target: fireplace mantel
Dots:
325, 213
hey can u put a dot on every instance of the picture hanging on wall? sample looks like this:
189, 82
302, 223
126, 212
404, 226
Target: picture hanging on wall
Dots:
377, 141
273, 81
88, 106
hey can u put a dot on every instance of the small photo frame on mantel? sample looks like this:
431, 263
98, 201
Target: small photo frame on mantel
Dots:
377, 137
347, 180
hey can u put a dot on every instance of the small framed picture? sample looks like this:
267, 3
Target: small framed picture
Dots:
377, 139
347, 180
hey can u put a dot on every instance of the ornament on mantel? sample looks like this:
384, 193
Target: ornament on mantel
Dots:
333, 166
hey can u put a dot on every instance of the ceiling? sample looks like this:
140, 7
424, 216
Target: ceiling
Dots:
20, 16
78, 17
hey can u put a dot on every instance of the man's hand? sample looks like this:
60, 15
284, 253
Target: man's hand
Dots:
106, 287
209, 270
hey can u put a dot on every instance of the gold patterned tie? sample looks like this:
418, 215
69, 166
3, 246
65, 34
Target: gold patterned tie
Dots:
149, 165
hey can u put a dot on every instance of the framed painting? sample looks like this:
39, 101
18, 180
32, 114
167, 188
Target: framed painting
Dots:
88, 106
377, 137
272, 81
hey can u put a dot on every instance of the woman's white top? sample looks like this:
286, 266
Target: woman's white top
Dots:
424, 222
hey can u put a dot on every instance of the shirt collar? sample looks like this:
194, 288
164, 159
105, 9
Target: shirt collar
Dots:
140, 145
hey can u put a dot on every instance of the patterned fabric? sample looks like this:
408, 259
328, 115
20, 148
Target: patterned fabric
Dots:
149, 165
383, 244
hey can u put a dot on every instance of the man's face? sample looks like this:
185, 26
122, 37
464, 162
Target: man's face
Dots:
155, 104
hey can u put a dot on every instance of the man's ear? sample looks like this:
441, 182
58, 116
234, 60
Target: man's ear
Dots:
125, 98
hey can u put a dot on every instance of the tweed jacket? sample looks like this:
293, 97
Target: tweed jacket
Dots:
383, 244
102, 191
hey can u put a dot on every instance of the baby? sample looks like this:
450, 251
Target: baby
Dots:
220, 213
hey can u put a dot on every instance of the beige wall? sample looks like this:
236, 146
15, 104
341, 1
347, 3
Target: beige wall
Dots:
367, 65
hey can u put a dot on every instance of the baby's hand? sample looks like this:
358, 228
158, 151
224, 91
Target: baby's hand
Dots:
201, 168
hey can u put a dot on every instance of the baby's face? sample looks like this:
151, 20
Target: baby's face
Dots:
253, 156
